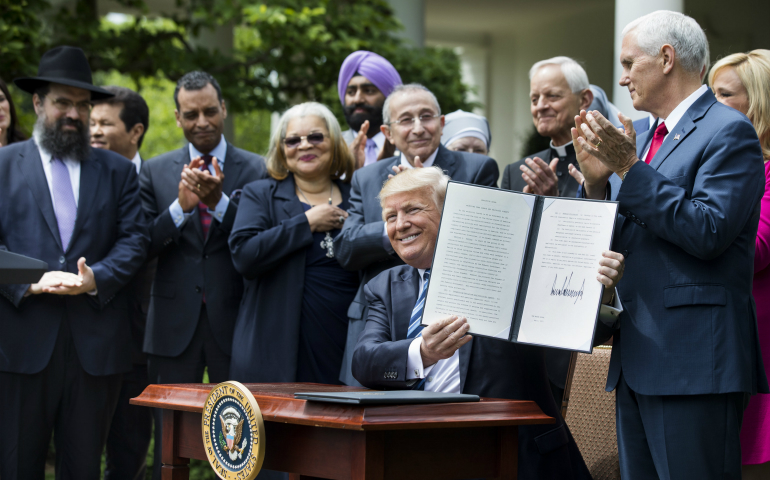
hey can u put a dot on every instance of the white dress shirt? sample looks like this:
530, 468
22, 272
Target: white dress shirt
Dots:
177, 214
444, 375
676, 114
137, 161
404, 163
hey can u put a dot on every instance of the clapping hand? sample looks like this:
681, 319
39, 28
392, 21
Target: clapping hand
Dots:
358, 145
202, 183
440, 340
614, 147
540, 177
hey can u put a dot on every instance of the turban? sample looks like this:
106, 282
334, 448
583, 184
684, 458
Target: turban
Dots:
462, 124
372, 66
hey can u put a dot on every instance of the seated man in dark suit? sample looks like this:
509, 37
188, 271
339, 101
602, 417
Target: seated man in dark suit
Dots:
413, 123
395, 352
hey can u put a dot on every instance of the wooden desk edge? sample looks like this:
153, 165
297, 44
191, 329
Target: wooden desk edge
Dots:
340, 416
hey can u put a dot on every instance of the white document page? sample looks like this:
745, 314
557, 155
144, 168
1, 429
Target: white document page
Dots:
563, 294
479, 252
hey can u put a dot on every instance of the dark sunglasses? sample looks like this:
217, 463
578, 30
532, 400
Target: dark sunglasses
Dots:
312, 139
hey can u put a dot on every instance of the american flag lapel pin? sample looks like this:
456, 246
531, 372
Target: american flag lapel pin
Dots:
676, 137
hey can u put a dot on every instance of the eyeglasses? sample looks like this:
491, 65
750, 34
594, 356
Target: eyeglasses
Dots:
312, 139
64, 105
424, 119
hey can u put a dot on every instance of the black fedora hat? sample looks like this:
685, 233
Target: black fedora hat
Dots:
64, 65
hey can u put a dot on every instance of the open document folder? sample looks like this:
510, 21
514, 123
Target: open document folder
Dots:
520, 267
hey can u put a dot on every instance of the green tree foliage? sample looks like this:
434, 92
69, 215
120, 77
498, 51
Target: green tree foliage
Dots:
285, 51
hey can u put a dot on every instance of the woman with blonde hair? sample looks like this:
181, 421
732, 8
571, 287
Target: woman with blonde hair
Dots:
293, 322
742, 81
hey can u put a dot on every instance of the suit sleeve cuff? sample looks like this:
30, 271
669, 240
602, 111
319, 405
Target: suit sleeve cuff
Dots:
219, 211
177, 214
608, 314
414, 368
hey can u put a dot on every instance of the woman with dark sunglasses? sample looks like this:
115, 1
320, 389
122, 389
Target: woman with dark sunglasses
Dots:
293, 319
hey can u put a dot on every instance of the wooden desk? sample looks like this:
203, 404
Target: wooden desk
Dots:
340, 442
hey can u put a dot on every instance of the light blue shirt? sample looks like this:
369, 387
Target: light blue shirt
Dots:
220, 152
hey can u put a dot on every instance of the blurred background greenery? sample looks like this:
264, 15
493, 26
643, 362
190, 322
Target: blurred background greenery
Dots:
280, 53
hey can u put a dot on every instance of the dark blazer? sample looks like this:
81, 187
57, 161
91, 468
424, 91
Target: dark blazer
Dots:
488, 367
268, 244
567, 185
109, 232
188, 264
359, 245
689, 321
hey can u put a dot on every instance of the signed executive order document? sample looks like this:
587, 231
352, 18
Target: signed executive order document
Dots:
520, 267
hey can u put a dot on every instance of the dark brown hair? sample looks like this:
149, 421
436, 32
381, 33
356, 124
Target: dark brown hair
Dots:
14, 133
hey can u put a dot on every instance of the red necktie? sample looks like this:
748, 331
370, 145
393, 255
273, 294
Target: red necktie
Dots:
657, 140
202, 208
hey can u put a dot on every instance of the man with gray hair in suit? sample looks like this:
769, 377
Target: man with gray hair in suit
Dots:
685, 357
412, 121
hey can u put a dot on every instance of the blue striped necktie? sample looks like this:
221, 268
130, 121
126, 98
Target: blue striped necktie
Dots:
415, 329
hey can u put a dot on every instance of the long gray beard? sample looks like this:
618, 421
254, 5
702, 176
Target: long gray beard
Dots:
60, 143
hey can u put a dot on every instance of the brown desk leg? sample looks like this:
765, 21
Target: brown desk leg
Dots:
508, 463
368, 452
174, 467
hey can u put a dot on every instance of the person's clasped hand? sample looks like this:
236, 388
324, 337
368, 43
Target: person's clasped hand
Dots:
440, 340
202, 183
325, 217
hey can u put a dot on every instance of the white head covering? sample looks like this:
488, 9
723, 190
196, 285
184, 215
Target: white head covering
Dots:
461, 124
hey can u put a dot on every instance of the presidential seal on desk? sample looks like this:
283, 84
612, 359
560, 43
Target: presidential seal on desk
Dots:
233, 432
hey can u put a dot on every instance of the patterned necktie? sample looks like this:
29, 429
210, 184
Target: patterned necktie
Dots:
657, 140
202, 208
64, 201
415, 329
371, 151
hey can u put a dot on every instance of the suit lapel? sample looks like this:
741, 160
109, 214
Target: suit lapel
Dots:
31, 165
232, 170
446, 160
684, 127
673, 140
89, 183
285, 191
465, 360
404, 291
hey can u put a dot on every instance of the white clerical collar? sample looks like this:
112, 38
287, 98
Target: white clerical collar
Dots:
426, 163
220, 151
561, 150
137, 161
677, 113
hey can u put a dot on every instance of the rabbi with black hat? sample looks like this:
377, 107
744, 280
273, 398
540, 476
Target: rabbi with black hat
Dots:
62, 340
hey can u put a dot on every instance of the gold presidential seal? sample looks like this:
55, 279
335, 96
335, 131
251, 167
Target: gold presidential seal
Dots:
233, 432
